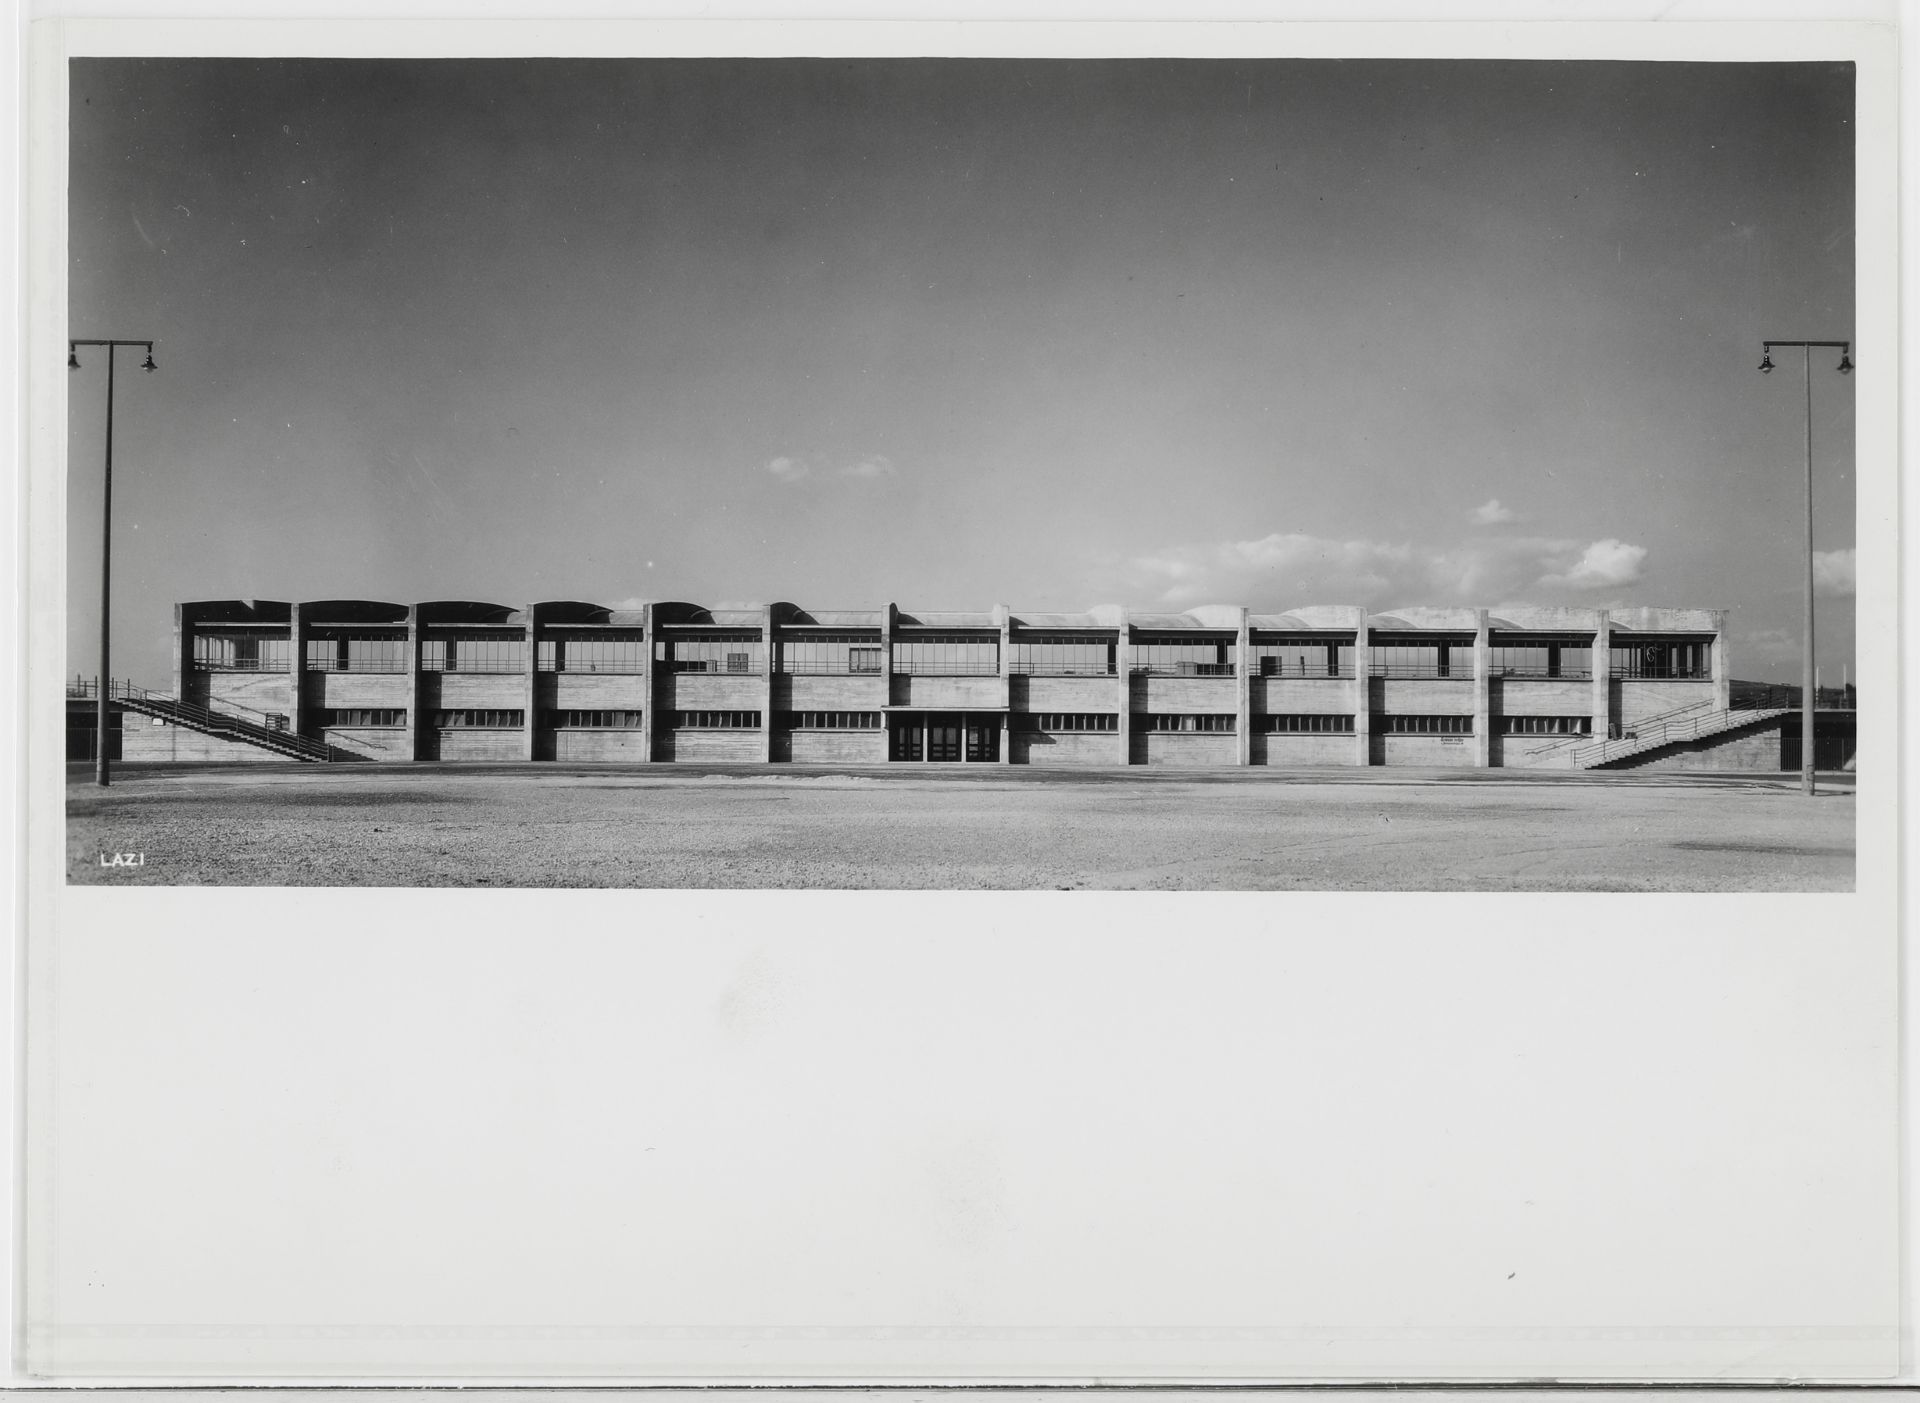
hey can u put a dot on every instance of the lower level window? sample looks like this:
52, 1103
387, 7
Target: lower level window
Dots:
831, 720
593, 720
1311, 724
365, 716
1546, 725
1427, 725
481, 720
716, 720
1069, 721
1183, 721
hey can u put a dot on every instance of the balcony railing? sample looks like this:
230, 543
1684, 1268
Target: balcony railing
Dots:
715, 667
1425, 672
1046, 669
1541, 674
1279, 667
829, 667
1185, 670
944, 667
357, 665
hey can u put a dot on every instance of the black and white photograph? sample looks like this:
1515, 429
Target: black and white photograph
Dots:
733, 703
1161, 473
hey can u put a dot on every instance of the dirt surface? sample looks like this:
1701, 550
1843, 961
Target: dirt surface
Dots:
984, 827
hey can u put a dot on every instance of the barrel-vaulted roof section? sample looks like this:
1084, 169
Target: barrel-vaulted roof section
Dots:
947, 619
794, 616
352, 611
239, 611
469, 611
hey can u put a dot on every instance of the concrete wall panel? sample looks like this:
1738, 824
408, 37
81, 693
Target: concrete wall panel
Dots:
463, 691
1199, 749
349, 689
1287, 696
263, 691
1071, 693
629, 745
593, 691
1417, 696
370, 742
946, 693
1219, 695
1545, 752
1542, 698
477, 744
141, 741
1637, 700
829, 693
1310, 750
1429, 750
714, 691
711, 746
837, 747
1065, 748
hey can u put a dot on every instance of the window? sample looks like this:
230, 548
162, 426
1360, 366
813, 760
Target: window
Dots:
1313, 724
471, 719
1423, 658
1546, 725
947, 654
358, 653
735, 652
1068, 721
1062, 655
1303, 657
600, 651
1184, 657
1681, 662
594, 720
234, 651
831, 720
365, 716
833, 654
1169, 721
1542, 658
490, 651
1427, 725
716, 720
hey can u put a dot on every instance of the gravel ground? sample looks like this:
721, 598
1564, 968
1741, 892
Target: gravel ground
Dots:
582, 826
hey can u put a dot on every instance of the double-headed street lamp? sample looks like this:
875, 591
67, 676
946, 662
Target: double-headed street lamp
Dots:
105, 685
1807, 698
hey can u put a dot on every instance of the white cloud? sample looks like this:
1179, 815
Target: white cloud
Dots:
1605, 564
1295, 568
1491, 513
1833, 572
787, 469
876, 466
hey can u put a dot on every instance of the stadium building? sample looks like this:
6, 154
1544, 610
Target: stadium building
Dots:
1213, 686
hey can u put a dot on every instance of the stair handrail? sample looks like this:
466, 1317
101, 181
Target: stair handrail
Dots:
1657, 718
1680, 728
270, 736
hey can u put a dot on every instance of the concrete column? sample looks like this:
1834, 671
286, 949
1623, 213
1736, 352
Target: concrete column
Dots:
887, 616
296, 672
529, 740
1004, 617
766, 685
649, 718
416, 723
182, 650
1362, 692
1602, 704
1123, 671
1482, 692
1722, 676
1243, 691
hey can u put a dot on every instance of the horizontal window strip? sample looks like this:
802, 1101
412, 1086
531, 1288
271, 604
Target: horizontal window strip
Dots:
576, 720
1546, 725
1330, 723
364, 716
830, 720
471, 718
716, 720
1068, 721
1190, 722
1426, 725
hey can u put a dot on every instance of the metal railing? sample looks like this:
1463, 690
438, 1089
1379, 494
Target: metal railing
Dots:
1185, 670
1033, 669
941, 667
1541, 674
1769, 697
1651, 735
829, 667
268, 731
1422, 672
1277, 668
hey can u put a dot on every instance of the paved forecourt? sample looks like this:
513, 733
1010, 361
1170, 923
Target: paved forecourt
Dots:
551, 825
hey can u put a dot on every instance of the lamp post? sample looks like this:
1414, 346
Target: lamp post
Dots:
105, 684
1807, 684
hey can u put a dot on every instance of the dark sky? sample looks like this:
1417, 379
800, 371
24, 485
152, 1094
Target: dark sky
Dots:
954, 332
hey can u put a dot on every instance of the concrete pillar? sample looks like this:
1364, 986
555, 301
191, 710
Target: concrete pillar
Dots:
1722, 677
1123, 674
182, 650
529, 747
888, 613
416, 723
1003, 616
1482, 692
766, 685
1362, 693
650, 716
1602, 703
1243, 693
296, 672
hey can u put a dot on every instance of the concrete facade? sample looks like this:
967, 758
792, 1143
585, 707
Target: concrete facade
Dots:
1213, 686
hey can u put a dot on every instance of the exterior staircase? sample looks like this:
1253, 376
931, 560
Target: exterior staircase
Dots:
250, 728
1670, 728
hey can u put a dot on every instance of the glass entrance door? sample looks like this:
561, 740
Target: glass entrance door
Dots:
943, 738
983, 739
